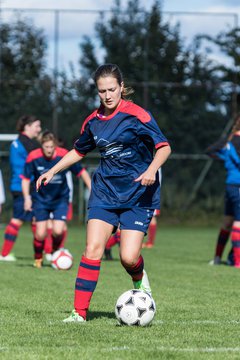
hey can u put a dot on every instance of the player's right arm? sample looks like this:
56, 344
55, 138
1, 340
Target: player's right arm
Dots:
26, 194
69, 159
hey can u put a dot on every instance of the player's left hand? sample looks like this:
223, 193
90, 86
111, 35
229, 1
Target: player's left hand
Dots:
147, 178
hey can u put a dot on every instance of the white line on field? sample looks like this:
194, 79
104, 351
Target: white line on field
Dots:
204, 350
189, 322
176, 349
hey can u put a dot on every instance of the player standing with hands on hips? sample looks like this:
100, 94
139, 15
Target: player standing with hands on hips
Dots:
125, 186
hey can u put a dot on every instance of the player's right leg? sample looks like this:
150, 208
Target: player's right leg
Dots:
13, 227
98, 232
222, 239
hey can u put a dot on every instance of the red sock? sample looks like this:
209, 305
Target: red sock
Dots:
152, 230
48, 242
38, 246
64, 237
10, 236
221, 242
86, 282
235, 237
136, 271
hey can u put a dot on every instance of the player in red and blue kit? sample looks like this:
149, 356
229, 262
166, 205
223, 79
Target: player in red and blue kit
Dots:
29, 127
228, 150
53, 199
125, 186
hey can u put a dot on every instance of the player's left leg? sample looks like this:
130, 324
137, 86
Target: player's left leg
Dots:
133, 225
57, 233
38, 243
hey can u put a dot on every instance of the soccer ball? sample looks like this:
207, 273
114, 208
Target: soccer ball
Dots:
62, 260
135, 307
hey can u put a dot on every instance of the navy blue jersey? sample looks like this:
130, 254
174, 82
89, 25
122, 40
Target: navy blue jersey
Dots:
57, 189
126, 141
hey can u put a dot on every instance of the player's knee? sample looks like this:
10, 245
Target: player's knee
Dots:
40, 235
94, 251
128, 260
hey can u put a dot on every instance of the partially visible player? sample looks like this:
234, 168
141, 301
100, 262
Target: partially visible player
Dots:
53, 199
125, 186
228, 150
48, 248
29, 127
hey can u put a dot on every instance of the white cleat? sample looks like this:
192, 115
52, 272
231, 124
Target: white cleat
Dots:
9, 257
74, 317
143, 284
216, 261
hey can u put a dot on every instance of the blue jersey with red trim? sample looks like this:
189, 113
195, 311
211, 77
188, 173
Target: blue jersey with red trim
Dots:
57, 189
126, 141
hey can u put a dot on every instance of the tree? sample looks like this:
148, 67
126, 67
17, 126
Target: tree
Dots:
23, 79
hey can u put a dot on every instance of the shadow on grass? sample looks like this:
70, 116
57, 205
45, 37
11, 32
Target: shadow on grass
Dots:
100, 314
92, 315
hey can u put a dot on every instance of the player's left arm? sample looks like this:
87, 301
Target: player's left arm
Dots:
149, 176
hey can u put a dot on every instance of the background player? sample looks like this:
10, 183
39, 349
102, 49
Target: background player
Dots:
29, 127
51, 200
228, 150
125, 186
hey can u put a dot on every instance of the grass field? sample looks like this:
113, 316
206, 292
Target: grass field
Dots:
197, 305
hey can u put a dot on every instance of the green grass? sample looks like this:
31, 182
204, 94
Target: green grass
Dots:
197, 305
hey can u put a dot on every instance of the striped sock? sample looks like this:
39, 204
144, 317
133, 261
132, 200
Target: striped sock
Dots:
10, 236
86, 282
38, 246
235, 237
56, 241
136, 271
221, 242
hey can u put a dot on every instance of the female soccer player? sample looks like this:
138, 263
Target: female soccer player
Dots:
29, 127
125, 186
53, 199
229, 151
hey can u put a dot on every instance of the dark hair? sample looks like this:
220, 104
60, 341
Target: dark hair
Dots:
25, 120
47, 136
236, 126
114, 71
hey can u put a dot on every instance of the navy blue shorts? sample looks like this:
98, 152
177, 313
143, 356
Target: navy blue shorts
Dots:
18, 209
58, 212
127, 219
232, 201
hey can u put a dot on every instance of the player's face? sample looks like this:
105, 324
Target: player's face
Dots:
34, 129
109, 92
48, 148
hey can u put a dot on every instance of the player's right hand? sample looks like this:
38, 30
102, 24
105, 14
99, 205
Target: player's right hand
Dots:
44, 178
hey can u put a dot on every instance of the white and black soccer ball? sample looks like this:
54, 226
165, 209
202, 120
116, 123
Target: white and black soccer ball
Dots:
135, 307
62, 259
